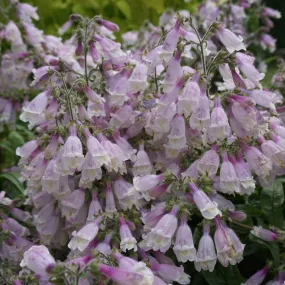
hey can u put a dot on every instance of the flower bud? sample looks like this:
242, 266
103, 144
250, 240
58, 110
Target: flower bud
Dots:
110, 200
264, 234
258, 277
237, 215
79, 48
75, 17
104, 247
108, 25
93, 52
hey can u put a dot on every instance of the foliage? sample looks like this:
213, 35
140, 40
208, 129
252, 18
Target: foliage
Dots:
128, 14
10, 140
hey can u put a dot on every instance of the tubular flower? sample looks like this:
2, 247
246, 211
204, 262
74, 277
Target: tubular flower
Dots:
206, 255
159, 238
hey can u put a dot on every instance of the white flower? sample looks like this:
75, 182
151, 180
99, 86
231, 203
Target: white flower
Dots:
3, 200
230, 40
142, 166
72, 157
85, 235
128, 242
34, 111
206, 255
38, 259
184, 247
159, 238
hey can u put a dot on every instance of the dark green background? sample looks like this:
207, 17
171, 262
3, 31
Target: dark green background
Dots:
279, 29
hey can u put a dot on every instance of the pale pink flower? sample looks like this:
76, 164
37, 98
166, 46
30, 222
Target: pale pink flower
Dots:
85, 235
39, 260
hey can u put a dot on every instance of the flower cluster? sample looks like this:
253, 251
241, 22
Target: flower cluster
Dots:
235, 14
16, 61
25, 48
14, 230
136, 150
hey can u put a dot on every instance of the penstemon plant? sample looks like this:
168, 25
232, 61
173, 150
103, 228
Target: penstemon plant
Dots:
146, 170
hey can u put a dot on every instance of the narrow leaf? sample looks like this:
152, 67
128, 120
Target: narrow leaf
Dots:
12, 178
271, 202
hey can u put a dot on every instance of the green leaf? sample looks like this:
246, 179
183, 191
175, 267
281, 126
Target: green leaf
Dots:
252, 248
8, 156
272, 246
7, 147
157, 5
240, 228
223, 276
139, 12
233, 275
281, 179
198, 279
270, 59
250, 210
16, 139
197, 235
271, 202
23, 130
215, 277
124, 7
13, 179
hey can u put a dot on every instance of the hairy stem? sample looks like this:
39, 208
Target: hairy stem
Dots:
242, 225
85, 55
69, 106
212, 63
155, 80
201, 42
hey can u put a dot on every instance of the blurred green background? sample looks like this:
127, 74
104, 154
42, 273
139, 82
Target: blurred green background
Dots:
128, 14
278, 31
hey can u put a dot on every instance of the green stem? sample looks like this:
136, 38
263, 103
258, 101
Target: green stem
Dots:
155, 79
86, 51
242, 225
74, 83
201, 50
4, 279
3, 14
208, 31
70, 70
212, 63
228, 12
69, 106
77, 279
202, 54
85, 54
92, 71
66, 281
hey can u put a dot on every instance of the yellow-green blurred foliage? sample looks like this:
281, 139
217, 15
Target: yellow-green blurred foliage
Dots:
128, 14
